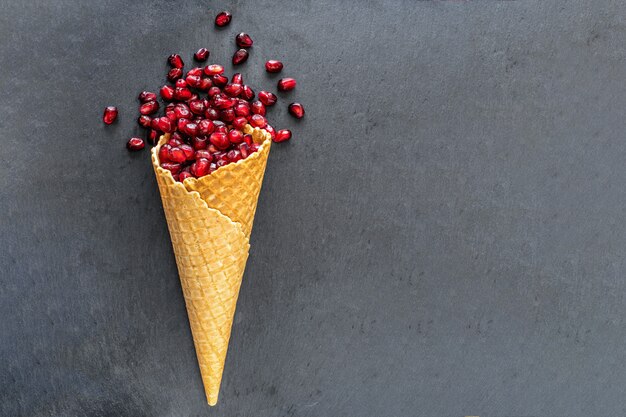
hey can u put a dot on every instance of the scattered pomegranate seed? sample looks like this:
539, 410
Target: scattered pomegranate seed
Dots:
240, 57
135, 144
242, 109
286, 84
273, 66
223, 18
247, 93
220, 80
163, 124
144, 121
182, 94
149, 108
153, 137
181, 83
213, 69
233, 90
174, 74
146, 96
258, 107
175, 61
243, 40
256, 120
282, 135
212, 114
296, 110
201, 55
237, 78
110, 114
270, 129
267, 98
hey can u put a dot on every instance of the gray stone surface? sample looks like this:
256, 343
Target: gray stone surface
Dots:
444, 236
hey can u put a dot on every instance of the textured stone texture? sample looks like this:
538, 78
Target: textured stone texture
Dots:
444, 235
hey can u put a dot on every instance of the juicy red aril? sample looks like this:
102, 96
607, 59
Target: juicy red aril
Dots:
174, 74
213, 91
197, 106
200, 168
163, 124
149, 107
199, 142
176, 61
188, 150
182, 94
286, 84
197, 71
227, 115
201, 54
247, 138
240, 57
153, 136
203, 153
110, 114
177, 155
193, 80
267, 98
270, 129
135, 144
233, 90
146, 96
240, 122
237, 78
220, 126
258, 107
222, 102
205, 84
213, 69
233, 155
247, 93
211, 114
181, 83
144, 121
190, 129
296, 110
220, 140
244, 149
242, 109
273, 66
282, 135
257, 120
181, 123
220, 80
206, 126
164, 153
182, 111
184, 175
223, 18
167, 92
171, 167
243, 40
235, 136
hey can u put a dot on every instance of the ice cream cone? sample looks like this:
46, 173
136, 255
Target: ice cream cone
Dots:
210, 220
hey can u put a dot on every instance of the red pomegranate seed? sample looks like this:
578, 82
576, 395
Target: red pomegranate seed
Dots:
233, 90
213, 91
256, 120
110, 114
197, 106
199, 142
211, 114
144, 121
182, 94
176, 61
201, 55
174, 74
240, 57
247, 93
184, 175
181, 123
227, 115
254, 147
222, 102
273, 66
213, 69
270, 129
223, 18
182, 111
188, 150
163, 124
203, 153
135, 144
171, 167
180, 83
286, 84
146, 96
242, 109
167, 92
153, 137
243, 40
248, 139
196, 71
193, 81
267, 98
164, 153
235, 136
220, 140
220, 127
200, 168
237, 78
240, 123
206, 126
233, 155
220, 80
244, 149
190, 129
258, 107
296, 110
282, 135
177, 155
205, 84
149, 107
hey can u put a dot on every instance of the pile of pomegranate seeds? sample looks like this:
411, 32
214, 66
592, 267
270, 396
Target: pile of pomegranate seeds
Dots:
206, 113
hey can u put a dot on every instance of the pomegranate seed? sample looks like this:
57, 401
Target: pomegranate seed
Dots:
135, 144
243, 40
199, 142
273, 66
184, 175
247, 93
254, 147
197, 106
248, 139
227, 115
221, 128
258, 108
176, 61
203, 153
211, 114
196, 71
163, 124
244, 149
257, 120
144, 121
188, 150
164, 153
193, 80
167, 92
220, 140
182, 94
174, 74
223, 18
240, 57
171, 167
237, 78
153, 137
206, 126
222, 102
213, 91
233, 155
240, 122
233, 90
213, 69
205, 84
296, 110
146, 96
180, 83
110, 114
242, 109
282, 135
220, 80
149, 108
200, 168
182, 111
286, 84
177, 155
181, 123
270, 129
235, 136
190, 129
201, 55
267, 98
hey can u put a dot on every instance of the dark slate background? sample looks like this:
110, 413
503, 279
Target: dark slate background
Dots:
443, 236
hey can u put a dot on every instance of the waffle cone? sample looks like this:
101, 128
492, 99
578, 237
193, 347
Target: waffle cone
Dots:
210, 220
